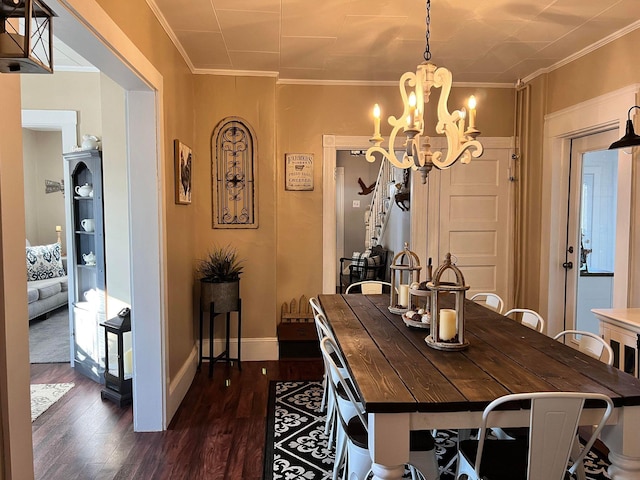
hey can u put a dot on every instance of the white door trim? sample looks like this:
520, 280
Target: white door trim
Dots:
598, 114
86, 27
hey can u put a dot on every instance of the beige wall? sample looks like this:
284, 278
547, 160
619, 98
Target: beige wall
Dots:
42, 161
14, 329
141, 26
252, 99
607, 69
115, 194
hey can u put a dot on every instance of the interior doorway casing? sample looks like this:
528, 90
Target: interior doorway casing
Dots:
86, 27
596, 115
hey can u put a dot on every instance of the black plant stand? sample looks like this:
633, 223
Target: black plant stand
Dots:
223, 356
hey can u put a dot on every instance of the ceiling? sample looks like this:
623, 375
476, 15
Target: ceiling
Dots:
480, 41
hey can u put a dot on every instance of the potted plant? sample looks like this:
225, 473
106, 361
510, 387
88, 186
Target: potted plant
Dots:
220, 279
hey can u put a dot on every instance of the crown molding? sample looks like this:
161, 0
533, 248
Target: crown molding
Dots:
169, 31
585, 51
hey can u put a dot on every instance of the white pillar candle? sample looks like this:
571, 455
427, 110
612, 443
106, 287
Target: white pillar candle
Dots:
447, 324
128, 362
403, 298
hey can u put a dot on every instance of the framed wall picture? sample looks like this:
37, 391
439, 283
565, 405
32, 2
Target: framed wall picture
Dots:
298, 172
182, 159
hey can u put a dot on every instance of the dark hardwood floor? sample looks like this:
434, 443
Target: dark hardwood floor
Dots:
217, 433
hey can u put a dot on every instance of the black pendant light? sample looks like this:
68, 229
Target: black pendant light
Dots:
630, 139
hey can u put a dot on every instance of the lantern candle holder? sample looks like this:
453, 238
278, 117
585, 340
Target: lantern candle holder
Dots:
405, 270
447, 324
118, 373
26, 37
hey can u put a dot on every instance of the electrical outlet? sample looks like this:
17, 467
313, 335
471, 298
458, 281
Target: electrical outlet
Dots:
356, 204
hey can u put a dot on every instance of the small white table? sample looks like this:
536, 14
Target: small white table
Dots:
620, 327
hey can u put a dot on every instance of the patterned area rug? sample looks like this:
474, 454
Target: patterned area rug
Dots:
46, 394
297, 448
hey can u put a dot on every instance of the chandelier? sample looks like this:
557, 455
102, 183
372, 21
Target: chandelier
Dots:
415, 89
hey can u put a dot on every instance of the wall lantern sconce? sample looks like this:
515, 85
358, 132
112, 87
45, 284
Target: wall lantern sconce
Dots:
118, 371
26, 37
447, 324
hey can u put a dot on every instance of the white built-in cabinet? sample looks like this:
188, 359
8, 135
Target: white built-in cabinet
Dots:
86, 260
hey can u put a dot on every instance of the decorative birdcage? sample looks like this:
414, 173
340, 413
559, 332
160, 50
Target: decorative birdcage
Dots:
405, 270
447, 324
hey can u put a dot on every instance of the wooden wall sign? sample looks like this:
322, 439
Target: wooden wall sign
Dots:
298, 172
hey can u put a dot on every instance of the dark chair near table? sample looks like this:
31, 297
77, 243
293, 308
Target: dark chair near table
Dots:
353, 421
370, 265
553, 420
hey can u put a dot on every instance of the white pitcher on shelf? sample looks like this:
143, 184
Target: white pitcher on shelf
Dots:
89, 258
90, 142
85, 190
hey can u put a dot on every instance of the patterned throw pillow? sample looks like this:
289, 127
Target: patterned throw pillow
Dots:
373, 263
358, 262
44, 261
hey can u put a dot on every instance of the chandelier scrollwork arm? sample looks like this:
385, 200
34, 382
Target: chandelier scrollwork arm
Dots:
415, 90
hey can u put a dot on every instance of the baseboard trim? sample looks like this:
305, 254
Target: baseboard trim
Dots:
253, 350
179, 385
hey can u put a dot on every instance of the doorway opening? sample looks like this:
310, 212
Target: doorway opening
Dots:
591, 229
93, 34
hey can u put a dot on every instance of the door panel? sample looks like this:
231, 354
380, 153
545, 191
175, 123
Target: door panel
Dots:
591, 230
475, 222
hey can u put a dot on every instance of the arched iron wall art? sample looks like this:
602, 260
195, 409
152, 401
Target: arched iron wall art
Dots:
234, 171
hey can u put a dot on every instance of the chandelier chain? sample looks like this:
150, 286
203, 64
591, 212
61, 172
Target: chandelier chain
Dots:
427, 51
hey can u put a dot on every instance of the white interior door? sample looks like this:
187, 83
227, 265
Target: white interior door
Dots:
592, 210
474, 220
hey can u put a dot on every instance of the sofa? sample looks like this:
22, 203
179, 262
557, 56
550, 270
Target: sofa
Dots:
47, 286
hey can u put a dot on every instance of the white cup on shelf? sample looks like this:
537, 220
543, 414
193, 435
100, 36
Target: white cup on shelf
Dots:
88, 224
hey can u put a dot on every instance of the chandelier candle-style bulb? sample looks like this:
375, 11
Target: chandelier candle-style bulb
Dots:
376, 124
463, 115
472, 111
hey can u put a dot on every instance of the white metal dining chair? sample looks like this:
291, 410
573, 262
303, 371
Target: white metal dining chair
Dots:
527, 317
588, 343
553, 420
596, 347
491, 300
315, 305
353, 420
368, 287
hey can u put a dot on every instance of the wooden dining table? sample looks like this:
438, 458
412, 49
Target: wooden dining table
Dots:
407, 385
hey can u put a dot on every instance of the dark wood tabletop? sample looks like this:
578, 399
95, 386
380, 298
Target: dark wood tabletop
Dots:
396, 371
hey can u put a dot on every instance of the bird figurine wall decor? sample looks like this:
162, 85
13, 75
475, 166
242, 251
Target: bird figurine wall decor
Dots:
365, 190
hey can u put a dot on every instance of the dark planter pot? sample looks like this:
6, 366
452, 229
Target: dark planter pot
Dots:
224, 295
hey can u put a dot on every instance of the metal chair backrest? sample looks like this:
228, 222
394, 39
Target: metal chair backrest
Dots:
337, 376
553, 420
529, 318
315, 305
590, 344
368, 287
492, 300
